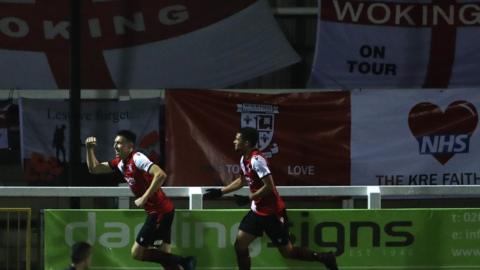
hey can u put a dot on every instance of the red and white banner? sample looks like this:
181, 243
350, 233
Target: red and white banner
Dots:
397, 44
141, 43
414, 137
45, 131
305, 136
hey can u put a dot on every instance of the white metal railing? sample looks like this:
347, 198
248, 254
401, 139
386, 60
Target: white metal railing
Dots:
374, 194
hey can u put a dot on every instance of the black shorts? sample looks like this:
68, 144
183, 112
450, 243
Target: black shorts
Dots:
275, 226
156, 228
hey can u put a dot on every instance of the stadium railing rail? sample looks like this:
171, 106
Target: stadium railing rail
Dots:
374, 194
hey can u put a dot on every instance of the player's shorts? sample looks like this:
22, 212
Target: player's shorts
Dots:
156, 227
275, 226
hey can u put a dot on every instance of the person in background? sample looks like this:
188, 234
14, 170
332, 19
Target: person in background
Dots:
81, 256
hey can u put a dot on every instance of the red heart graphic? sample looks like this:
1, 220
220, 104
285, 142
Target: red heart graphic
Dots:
427, 119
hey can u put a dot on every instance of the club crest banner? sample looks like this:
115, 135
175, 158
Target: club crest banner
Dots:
305, 136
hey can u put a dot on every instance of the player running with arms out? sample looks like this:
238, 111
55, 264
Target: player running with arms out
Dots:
268, 213
145, 180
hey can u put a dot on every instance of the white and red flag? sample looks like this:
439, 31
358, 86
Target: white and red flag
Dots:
397, 44
141, 43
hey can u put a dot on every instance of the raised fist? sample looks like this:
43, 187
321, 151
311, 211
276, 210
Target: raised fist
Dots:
90, 142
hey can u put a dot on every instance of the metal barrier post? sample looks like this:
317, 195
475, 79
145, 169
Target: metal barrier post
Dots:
374, 197
123, 201
195, 198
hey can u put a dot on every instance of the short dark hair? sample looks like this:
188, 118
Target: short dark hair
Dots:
80, 252
249, 134
127, 134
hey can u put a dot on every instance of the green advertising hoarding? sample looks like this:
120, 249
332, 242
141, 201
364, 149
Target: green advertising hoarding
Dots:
363, 239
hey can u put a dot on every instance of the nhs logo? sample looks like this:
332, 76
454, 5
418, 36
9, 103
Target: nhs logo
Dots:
444, 144
443, 133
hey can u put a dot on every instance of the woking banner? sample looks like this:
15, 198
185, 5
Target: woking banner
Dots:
397, 44
305, 136
415, 137
141, 44
45, 133
402, 239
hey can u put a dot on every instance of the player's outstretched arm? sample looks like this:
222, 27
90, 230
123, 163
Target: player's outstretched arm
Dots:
214, 193
93, 165
234, 185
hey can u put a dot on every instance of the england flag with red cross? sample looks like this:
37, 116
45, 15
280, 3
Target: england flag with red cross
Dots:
141, 43
397, 44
